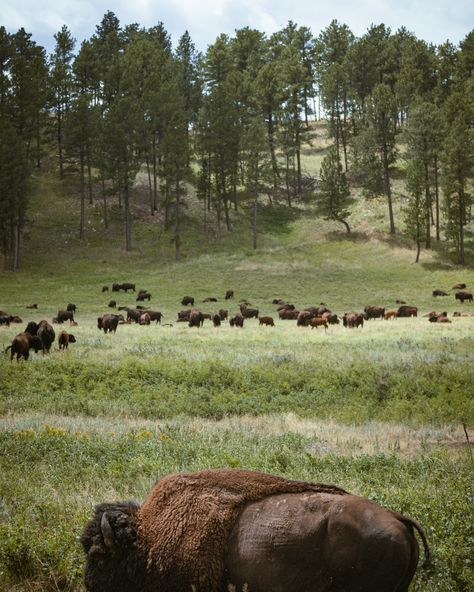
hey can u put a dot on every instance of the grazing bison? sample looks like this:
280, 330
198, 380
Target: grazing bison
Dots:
210, 299
64, 339
373, 312
5, 320
155, 315
221, 530
187, 301
331, 318
133, 315
71, 307
126, 286
286, 306
390, 314
112, 304
316, 322
303, 318
461, 296
229, 294
353, 320
460, 314
224, 314
459, 287
196, 318
407, 311
286, 315
237, 321
64, 315
108, 323
216, 320
400, 302
142, 296
268, 321
106, 289
35, 306
248, 313
437, 292
183, 316
144, 319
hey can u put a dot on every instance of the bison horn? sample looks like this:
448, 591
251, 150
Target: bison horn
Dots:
107, 531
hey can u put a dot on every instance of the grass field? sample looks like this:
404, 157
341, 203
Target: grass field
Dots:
378, 410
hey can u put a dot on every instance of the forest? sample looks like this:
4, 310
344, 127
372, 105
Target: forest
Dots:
229, 125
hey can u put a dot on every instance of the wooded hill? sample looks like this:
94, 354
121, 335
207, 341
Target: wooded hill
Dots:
224, 135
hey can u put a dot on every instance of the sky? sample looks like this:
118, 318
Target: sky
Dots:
434, 21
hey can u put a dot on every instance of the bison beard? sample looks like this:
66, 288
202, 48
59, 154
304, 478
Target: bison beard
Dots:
191, 534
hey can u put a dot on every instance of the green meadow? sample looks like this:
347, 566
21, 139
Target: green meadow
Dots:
378, 410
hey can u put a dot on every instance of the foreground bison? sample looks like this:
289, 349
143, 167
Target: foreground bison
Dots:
221, 530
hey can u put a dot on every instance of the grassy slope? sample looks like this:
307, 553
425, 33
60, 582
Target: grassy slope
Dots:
403, 371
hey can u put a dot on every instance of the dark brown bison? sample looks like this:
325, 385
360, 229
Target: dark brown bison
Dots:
248, 313
47, 335
407, 311
461, 296
5, 320
155, 315
318, 311
210, 299
459, 287
64, 315
133, 315
373, 312
142, 296
32, 306
21, 345
437, 292
286, 306
196, 318
278, 301
268, 321
216, 320
353, 320
187, 301
331, 318
126, 286
108, 323
303, 318
237, 321
112, 304
223, 530
400, 301
316, 322
183, 316
286, 315
64, 339
106, 289
224, 314
229, 294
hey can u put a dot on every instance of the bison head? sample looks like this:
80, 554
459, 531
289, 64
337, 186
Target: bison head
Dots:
113, 560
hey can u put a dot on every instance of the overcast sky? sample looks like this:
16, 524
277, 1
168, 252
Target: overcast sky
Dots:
431, 20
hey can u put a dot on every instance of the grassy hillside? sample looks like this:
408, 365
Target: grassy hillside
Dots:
377, 410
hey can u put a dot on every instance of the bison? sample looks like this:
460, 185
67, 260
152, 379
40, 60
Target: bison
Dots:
461, 296
286, 306
288, 314
303, 318
316, 322
144, 319
47, 335
237, 321
229, 294
210, 299
71, 307
142, 296
224, 314
21, 345
390, 314
437, 293
373, 312
353, 320
108, 323
64, 315
331, 318
64, 339
196, 318
106, 289
407, 311
268, 321
248, 313
183, 316
112, 304
155, 315
32, 306
187, 301
459, 287
216, 320
224, 529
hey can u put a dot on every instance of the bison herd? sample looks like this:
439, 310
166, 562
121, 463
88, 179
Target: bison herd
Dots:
40, 336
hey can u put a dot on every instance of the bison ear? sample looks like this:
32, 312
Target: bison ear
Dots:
107, 531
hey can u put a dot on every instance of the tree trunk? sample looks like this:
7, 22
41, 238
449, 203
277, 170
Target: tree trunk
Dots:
388, 189
271, 141
348, 229
16, 247
177, 229
461, 226
156, 205
436, 196
128, 221
150, 188
287, 177
89, 176
427, 205
82, 193
254, 223
104, 201
60, 143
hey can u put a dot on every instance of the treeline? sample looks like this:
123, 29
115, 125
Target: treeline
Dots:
232, 122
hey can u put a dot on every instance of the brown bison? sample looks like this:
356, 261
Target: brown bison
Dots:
303, 318
268, 321
224, 314
353, 320
187, 301
248, 313
112, 304
64, 315
286, 315
21, 345
47, 335
316, 322
461, 296
237, 321
155, 315
142, 296
437, 293
390, 314
373, 312
331, 318
459, 287
71, 307
64, 339
286, 306
407, 311
108, 323
210, 299
460, 314
106, 289
144, 319
216, 320
183, 316
221, 530
229, 294
196, 318
32, 306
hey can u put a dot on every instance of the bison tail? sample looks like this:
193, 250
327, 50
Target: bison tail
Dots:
427, 562
7, 348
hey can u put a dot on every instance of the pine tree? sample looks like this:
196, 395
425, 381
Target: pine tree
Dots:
334, 196
415, 211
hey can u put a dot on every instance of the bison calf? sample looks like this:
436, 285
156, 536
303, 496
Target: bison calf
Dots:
268, 321
64, 339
